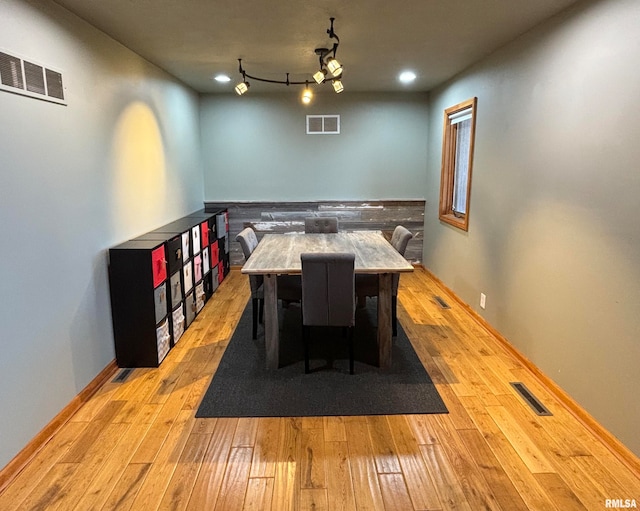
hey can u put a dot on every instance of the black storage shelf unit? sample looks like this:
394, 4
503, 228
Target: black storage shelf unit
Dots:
161, 280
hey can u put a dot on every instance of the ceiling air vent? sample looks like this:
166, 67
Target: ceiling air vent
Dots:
323, 124
30, 79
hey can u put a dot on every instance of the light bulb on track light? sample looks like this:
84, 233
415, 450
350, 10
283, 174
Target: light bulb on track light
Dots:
320, 75
334, 67
241, 88
307, 95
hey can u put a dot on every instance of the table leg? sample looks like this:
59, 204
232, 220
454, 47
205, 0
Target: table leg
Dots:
384, 320
271, 327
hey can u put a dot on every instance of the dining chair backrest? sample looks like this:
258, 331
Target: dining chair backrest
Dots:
399, 240
328, 289
321, 224
249, 241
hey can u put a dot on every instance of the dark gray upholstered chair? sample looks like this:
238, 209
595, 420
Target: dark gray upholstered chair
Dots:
367, 285
289, 286
321, 224
328, 295
289, 289
248, 242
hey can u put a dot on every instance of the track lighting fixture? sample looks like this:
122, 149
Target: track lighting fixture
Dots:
330, 68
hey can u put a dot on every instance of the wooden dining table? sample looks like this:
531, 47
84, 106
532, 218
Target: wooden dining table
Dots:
279, 254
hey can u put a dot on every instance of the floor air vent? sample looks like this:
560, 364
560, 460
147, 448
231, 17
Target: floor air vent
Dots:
441, 302
123, 375
531, 400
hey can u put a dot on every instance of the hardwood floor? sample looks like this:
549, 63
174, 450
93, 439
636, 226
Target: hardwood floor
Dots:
136, 445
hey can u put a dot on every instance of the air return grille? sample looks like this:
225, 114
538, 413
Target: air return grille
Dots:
54, 84
11, 71
28, 78
323, 124
34, 77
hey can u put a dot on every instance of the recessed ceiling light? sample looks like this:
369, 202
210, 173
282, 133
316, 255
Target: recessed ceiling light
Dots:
407, 76
222, 78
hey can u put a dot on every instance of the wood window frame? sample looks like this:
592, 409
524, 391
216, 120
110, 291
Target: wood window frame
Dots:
447, 177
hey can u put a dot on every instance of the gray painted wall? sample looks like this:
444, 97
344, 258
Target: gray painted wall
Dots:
553, 239
255, 147
120, 159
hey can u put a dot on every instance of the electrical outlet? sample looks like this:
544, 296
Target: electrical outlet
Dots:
483, 300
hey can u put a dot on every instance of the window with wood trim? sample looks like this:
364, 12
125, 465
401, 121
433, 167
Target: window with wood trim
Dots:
457, 162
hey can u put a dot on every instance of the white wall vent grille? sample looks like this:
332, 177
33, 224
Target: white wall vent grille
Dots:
34, 77
54, 84
30, 79
323, 124
11, 71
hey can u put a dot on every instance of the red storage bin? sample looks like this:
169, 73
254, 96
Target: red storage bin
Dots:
204, 233
158, 266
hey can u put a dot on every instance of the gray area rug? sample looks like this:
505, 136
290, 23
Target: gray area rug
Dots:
243, 387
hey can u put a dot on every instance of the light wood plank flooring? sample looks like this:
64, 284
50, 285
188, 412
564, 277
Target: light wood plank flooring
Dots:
136, 445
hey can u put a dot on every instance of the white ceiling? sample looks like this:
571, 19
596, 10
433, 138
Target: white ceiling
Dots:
195, 39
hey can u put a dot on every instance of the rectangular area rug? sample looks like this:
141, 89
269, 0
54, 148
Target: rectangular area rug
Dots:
243, 387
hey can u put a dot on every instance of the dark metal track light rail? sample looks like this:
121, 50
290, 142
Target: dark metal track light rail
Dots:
330, 69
